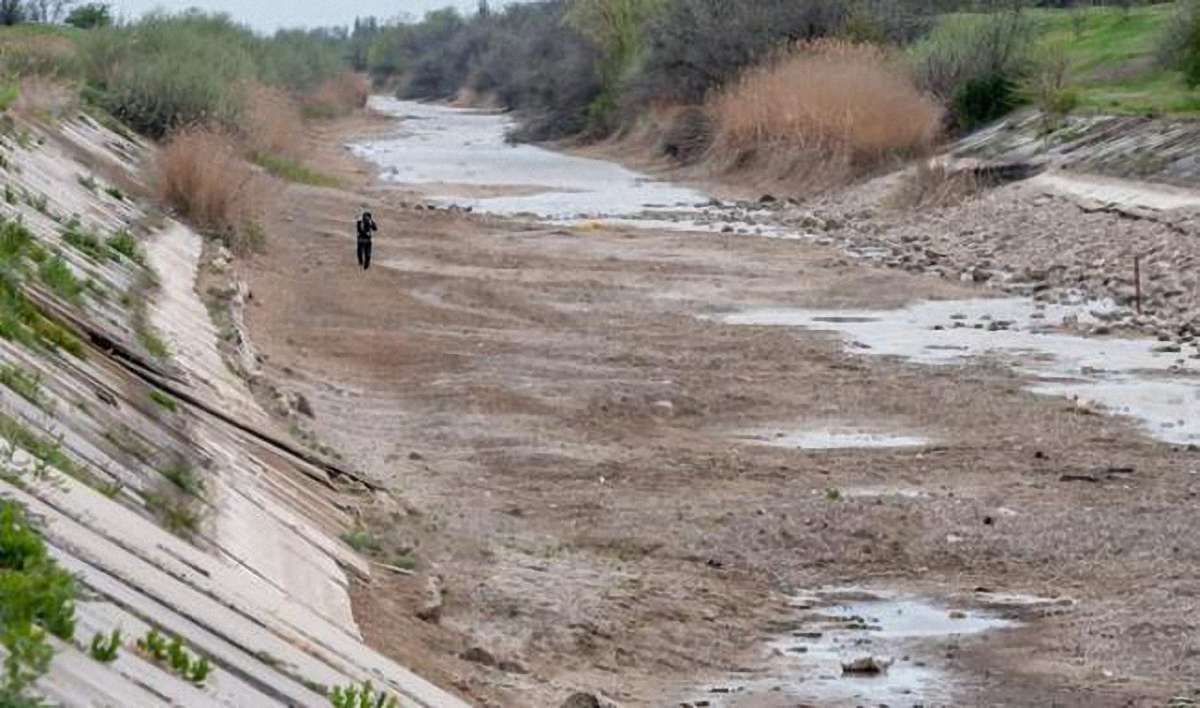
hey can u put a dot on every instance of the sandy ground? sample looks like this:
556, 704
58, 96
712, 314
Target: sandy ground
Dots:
562, 425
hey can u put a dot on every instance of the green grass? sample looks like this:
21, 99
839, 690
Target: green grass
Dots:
20, 320
59, 277
84, 241
184, 478
293, 171
164, 400
44, 450
9, 93
125, 244
37, 597
24, 384
1114, 58
154, 344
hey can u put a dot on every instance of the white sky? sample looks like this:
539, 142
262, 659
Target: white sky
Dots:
269, 15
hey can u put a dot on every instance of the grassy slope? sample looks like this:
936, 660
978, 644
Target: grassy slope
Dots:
1113, 59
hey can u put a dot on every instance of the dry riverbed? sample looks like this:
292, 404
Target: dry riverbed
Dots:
609, 484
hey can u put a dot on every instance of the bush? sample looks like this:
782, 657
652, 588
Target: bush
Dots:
973, 63
828, 110
690, 134
1180, 44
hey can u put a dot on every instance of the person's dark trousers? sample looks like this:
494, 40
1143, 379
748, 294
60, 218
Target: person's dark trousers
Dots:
364, 253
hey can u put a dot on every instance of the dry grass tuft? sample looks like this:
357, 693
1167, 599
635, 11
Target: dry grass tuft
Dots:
272, 124
932, 184
338, 96
823, 113
45, 98
201, 173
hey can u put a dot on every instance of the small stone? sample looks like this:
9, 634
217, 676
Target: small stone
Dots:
478, 655
581, 700
415, 456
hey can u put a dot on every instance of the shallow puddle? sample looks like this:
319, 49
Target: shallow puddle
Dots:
838, 628
808, 664
1126, 376
836, 440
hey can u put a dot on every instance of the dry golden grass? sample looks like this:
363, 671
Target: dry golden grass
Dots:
45, 98
824, 111
272, 123
201, 174
338, 96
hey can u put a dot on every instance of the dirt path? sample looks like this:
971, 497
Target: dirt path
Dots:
567, 423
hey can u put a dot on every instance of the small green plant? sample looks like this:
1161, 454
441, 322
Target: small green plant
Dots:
37, 597
164, 400
363, 541
25, 385
115, 193
175, 656
38, 201
363, 696
833, 494
154, 344
84, 241
184, 478
88, 182
59, 277
174, 512
104, 649
48, 452
125, 244
10, 196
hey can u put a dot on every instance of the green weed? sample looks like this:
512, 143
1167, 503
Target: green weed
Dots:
125, 244
184, 478
10, 195
363, 696
88, 182
175, 656
25, 385
48, 452
104, 649
115, 193
153, 343
84, 241
293, 171
9, 93
363, 541
164, 400
59, 277
175, 513
37, 597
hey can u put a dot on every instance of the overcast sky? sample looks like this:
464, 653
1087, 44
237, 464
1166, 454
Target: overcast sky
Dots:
269, 15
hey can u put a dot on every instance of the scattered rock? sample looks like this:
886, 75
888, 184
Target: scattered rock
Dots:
479, 655
431, 606
415, 456
871, 665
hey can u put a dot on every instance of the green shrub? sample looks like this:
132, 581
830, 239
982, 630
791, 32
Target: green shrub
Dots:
974, 63
9, 93
36, 597
185, 479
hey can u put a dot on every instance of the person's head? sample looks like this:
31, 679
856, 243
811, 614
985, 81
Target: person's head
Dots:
366, 216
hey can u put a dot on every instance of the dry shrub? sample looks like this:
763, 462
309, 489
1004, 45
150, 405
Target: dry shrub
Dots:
688, 135
38, 55
201, 174
338, 96
272, 124
933, 184
825, 111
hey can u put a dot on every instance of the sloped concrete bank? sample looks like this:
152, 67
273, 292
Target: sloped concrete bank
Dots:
157, 478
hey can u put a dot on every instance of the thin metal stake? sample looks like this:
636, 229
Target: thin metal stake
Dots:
1137, 282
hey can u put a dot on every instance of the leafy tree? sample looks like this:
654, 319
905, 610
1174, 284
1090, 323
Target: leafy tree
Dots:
91, 15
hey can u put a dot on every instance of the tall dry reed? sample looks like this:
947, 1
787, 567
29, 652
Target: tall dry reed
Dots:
202, 175
272, 123
337, 96
823, 112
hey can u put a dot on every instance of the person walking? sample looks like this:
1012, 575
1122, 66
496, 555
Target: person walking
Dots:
366, 226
